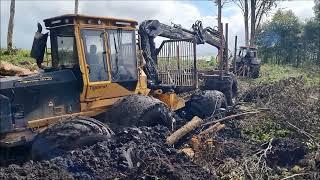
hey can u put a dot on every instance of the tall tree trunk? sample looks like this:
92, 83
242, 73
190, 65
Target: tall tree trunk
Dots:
76, 6
221, 62
253, 21
318, 54
246, 22
317, 9
10, 26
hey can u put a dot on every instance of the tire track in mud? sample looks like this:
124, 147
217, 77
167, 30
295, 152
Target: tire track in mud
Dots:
133, 153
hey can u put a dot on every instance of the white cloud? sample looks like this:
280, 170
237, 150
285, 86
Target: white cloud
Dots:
302, 9
28, 13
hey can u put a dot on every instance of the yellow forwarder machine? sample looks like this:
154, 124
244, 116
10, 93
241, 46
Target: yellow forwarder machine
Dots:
99, 70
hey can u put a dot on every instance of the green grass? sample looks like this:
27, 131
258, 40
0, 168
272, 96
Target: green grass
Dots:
202, 64
271, 73
22, 58
206, 65
19, 58
261, 128
264, 130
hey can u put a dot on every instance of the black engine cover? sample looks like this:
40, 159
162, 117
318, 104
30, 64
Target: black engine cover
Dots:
39, 96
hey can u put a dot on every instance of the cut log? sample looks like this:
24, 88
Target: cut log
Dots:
188, 151
178, 134
213, 129
8, 69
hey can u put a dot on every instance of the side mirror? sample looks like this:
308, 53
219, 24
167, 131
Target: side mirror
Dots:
39, 45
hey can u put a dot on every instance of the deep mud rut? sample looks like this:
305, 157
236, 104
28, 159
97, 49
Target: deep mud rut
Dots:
263, 146
133, 153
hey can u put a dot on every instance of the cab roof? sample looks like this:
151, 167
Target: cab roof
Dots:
69, 19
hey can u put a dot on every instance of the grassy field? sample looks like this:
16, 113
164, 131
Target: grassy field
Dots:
202, 64
269, 73
272, 73
19, 58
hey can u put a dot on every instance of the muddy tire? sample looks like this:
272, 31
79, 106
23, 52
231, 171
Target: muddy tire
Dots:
233, 92
228, 86
139, 110
67, 135
205, 103
254, 71
234, 87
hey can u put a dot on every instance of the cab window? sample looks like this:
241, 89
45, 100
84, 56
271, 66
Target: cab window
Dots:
95, 55
122, 55
64, 50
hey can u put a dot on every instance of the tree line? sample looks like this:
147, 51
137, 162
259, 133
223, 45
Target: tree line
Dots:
287, 40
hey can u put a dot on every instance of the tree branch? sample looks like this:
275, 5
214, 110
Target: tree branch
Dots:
240, 4
232, 116
292, 176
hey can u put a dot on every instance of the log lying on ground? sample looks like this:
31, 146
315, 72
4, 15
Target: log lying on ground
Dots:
213, 129
200, 141
8, 69
197, 122
178, 134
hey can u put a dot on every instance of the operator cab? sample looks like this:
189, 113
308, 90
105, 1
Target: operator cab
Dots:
101, 52
247, 52
108, 46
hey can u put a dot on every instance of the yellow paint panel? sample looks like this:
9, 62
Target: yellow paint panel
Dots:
172, 100
98, 91
47, 121
102, 103
142, 87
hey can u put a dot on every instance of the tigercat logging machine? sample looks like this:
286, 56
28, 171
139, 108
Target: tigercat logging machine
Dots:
102, 67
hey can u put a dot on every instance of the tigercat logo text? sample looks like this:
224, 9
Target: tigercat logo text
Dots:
93, 88
36, 80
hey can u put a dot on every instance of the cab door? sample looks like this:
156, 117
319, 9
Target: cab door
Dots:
97, 76
101, 82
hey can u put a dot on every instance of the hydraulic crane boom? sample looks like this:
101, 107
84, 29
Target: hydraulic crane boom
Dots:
150, 29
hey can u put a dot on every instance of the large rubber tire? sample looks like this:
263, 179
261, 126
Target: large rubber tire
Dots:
234, 87
67, 135
233, 92
139, 110
228, 86
205, 103
254, 71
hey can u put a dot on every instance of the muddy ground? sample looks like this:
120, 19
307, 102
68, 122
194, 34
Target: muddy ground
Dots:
281, 141
133, 153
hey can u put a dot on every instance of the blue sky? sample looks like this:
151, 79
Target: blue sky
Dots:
206, 7
29, 12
